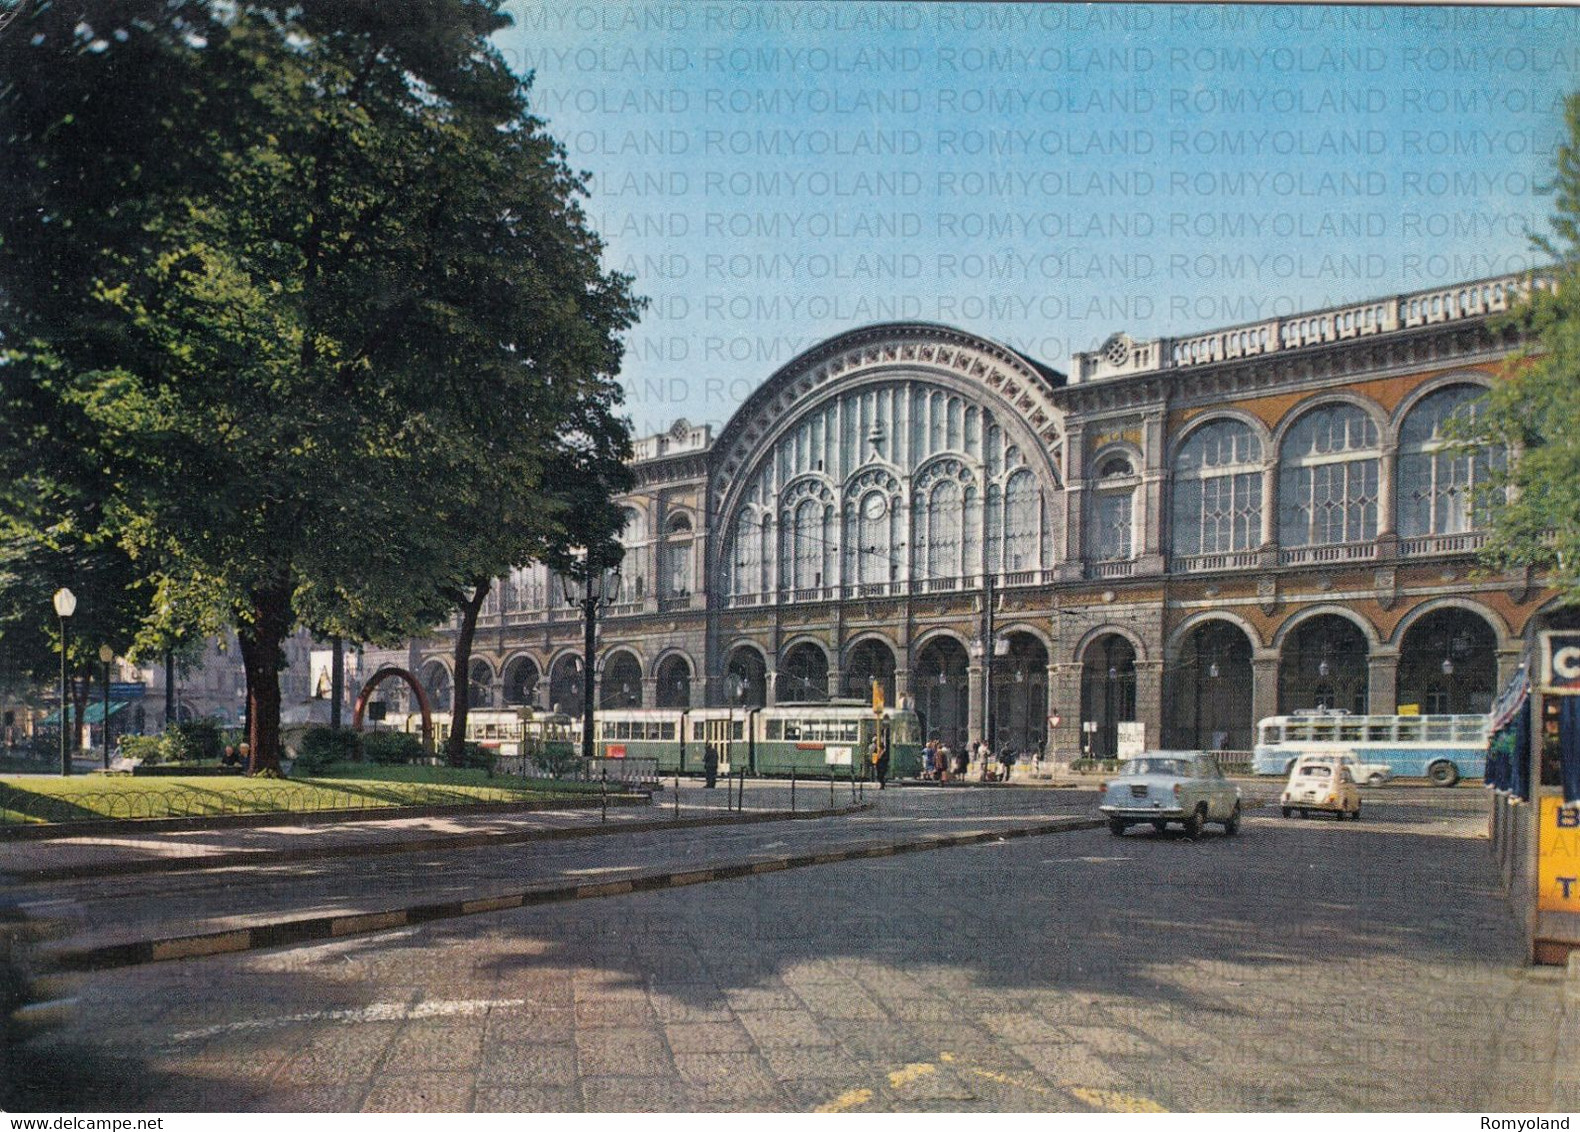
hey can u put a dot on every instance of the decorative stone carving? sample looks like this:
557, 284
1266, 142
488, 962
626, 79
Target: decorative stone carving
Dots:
1386, 581
1267, 594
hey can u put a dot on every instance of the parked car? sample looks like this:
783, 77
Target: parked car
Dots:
1184, 787
1372, 774
1318, 782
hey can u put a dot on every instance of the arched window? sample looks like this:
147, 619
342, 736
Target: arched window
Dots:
1022, 522
807, 553
872, 549
945, 510
436, 682
521, 682
480, 685
746, 563
1113, 511
1437, 481
633, 569
1218, 490
677, 557
620, 686
803, 675
674, 683
1327, 482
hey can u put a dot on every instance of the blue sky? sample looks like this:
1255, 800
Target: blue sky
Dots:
773, 174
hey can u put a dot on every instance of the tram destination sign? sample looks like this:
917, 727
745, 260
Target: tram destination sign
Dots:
1560, 663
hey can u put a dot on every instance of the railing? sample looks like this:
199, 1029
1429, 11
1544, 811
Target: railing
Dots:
1202, 563
628, 772
1121, 569
1467, 542
1478, 299
674, 602
1337, 552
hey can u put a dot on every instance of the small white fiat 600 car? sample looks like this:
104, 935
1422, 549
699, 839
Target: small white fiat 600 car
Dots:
1184, 787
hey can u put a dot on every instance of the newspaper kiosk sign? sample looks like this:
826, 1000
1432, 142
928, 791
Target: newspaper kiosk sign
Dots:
1560, 663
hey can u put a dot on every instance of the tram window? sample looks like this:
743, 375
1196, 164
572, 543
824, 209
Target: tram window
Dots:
792, 729
739, 730
775, 731
696, 730
666, 731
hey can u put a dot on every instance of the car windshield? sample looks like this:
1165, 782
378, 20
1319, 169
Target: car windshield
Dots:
1319, 770
1157, 766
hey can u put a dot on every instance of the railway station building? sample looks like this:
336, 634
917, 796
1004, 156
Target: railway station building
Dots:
1185, 534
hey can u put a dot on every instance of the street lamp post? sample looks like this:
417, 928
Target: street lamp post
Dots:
590, 590
65, 603
106, 654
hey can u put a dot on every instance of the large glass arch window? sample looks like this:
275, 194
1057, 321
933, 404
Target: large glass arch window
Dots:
674, 683
1218, 490
677, 557
1448, 664
1327, 481
1439, 482
871, 662
1022, 521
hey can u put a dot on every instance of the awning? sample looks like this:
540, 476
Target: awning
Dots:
94, 714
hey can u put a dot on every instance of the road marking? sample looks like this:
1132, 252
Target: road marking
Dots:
913, 1072
1109, 1101
377, 1012
846, 1101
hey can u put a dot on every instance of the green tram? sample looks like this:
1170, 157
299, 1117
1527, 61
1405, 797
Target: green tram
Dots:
814, 740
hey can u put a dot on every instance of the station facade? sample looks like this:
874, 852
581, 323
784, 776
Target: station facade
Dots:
1187, 534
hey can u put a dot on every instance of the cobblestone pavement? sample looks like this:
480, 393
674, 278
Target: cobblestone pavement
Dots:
1304, 965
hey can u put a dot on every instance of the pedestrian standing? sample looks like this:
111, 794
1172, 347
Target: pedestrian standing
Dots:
710, 766
881, 766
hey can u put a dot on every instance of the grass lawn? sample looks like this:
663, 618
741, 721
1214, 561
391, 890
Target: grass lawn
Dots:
44, 798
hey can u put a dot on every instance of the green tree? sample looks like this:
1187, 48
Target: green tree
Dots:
1535, 412
338, 249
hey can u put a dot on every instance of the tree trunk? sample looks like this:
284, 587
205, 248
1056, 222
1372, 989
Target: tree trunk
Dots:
260, 644
454, 748
337, 683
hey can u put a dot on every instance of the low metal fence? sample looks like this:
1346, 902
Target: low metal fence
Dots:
628, 771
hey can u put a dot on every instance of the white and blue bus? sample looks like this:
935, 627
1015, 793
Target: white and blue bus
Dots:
1442, 748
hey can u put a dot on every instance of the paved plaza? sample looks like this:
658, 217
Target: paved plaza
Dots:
1304, 965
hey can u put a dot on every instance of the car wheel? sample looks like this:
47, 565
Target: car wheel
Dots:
1287, 811
1160, 826
1375, 780
1231, 825
1356, 816
1194, 823
1443, 773
1116, 827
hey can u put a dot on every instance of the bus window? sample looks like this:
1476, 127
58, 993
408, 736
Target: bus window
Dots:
1323, 730
1380, 730
1298, 730
1351, 731
1409, 729
1439, 727
1272, 734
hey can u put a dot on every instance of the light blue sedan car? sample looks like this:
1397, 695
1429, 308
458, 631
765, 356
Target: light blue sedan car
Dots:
1159, 787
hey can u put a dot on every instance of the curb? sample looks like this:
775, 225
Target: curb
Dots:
229, 858
284, 933
57, 830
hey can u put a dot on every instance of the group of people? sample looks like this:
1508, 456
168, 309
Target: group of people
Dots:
942, 763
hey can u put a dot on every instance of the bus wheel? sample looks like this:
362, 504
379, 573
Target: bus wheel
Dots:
1375, 780
1116, 827
1443, 773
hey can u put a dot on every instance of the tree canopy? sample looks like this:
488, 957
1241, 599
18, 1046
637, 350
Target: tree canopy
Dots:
306, 282
1535, 412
